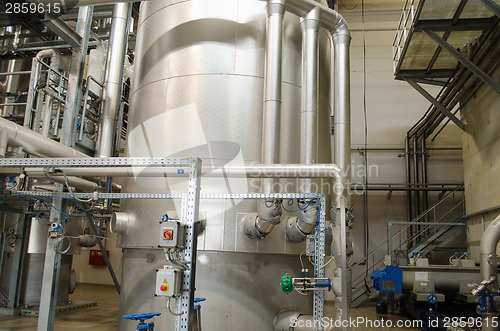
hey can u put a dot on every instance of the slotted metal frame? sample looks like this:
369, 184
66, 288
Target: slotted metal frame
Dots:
190, 207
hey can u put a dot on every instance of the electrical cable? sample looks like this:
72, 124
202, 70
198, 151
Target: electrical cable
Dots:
296, 210
59, 241
70, 187
171, 312
12, 226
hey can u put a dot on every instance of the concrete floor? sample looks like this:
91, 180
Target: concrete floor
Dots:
104, 316
101, 317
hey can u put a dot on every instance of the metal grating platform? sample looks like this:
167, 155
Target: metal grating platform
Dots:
458, 22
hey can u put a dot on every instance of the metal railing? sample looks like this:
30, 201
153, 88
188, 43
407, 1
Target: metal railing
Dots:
40, 91
90, 101
403, 30
432, 218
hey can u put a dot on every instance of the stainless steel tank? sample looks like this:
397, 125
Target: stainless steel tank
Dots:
197, 91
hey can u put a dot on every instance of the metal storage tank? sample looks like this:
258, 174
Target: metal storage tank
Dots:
198, 91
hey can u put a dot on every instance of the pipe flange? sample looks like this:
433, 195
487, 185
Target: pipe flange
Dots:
494, 260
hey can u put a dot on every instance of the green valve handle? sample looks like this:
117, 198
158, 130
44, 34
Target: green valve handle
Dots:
286, 283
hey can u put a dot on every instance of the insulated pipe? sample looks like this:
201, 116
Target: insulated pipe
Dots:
269, 210
488, 249
35, 143
272, 85
310, 81
342, 112
53, 78
113, 79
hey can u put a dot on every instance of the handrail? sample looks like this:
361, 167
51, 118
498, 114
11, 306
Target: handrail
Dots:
415, 221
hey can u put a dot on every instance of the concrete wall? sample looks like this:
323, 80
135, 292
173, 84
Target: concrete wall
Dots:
481, 153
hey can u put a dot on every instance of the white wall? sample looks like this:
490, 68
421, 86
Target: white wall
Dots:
86, 273
392, 108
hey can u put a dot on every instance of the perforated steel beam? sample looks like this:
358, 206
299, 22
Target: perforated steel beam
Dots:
462, 59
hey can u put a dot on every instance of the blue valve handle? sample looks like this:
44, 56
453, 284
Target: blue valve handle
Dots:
432, 298
198, 300
141, 317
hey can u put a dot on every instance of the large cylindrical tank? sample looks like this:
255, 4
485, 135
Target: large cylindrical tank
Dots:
198, 91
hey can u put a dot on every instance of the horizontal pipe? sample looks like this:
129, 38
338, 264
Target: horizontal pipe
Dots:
34, 143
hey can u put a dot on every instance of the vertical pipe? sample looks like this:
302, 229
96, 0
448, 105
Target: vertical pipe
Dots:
309, 106
423, 161
341, 38
272, 86
342, 112
416, 180
113, 79
408, 177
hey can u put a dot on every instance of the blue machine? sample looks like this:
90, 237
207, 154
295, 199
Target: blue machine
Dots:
142, 318
389, 280
486, 302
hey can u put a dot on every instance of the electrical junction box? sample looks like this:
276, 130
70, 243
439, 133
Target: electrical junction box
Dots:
389, 280
172, 235
168, 282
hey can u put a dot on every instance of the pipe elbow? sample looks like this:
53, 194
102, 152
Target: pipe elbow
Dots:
341, 34
490, 238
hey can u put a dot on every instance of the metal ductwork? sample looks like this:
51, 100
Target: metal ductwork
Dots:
113, 79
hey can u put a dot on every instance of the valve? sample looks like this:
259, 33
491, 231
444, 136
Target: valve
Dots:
286, 283
142, 318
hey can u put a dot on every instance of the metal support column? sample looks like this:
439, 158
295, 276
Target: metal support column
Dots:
341, 215
51, 269
23, 229
462, 59
75, 80
436, 103
190, 208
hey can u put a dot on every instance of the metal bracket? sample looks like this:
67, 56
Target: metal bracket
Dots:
436, 103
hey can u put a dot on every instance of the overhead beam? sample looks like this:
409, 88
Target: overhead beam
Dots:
436, 103
462, 59
465, 24
63, 30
